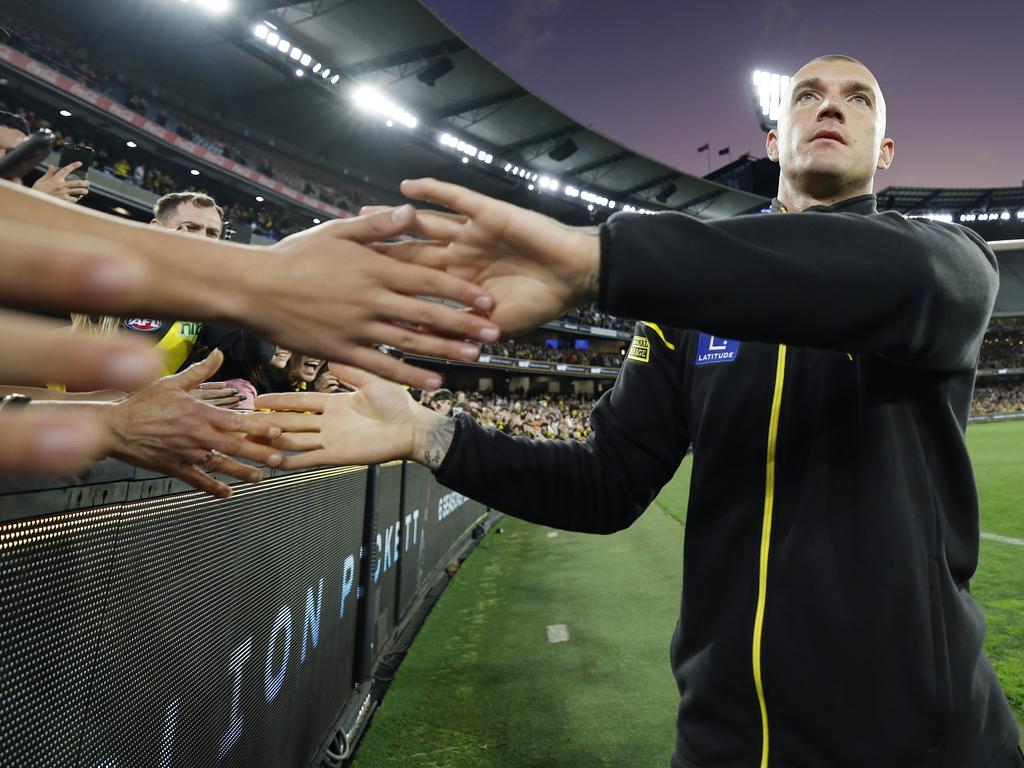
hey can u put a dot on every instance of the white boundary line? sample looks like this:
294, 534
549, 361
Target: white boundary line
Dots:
1003, 539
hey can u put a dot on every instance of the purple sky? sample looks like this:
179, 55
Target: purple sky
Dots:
665, 76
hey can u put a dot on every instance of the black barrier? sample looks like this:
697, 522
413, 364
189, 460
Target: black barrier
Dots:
185, 631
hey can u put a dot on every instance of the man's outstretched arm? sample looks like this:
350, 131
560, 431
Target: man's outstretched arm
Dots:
598, 486
916, 292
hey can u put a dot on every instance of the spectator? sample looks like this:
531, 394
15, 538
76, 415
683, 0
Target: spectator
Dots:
14, 129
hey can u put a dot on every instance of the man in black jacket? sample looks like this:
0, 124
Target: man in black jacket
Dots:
820, 362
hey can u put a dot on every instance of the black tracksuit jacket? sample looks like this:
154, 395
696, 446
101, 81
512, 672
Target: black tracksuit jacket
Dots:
832, 527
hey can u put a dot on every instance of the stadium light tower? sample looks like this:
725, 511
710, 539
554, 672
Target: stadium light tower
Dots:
769, 89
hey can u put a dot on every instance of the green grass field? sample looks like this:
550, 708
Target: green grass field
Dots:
482, 686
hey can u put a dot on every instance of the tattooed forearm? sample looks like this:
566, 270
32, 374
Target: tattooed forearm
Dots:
437, 442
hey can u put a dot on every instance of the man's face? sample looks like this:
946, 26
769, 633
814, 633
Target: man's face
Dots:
831, 130
9, 139
193, 220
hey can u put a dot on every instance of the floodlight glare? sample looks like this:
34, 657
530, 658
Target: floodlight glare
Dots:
283, 46
509, 165
194, 172
64, 113
306, 60
296, 53
554, 185
273, 38
299, 72
326, 73
769, 90
316, 67
1005, 215
371, 100
131, 144
465, 159
261, 32
334, 80
530, 187
259, 198
316, 221
215, 6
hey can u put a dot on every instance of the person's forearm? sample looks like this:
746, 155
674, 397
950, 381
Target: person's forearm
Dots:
916, 293
43, 393
172, 271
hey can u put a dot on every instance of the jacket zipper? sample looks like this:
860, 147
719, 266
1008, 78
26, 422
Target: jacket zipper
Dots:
766, 533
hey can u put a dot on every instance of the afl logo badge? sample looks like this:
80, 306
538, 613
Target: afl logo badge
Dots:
142, 324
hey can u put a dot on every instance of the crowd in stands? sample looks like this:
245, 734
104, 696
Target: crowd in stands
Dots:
544, 417
998, 397
1003, 349
591, 316
148, 100
536, 350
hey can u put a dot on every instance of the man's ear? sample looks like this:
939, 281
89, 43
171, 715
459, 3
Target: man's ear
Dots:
155, 223
771, 145
885, 156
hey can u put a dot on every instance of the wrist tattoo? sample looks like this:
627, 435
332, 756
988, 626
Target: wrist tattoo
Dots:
438, 441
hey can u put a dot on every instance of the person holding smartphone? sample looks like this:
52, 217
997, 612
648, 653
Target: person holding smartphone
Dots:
56, 181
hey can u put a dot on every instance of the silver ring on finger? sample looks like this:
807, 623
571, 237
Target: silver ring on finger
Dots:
208, 458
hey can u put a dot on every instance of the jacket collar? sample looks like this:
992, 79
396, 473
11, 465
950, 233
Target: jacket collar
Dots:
864, 204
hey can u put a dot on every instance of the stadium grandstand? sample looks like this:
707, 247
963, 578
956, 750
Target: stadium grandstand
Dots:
368, 615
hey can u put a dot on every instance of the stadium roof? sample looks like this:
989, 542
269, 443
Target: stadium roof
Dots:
226, 71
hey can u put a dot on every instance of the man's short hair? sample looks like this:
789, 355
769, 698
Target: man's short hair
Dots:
836, 57
441, 395
17, 122
168, 204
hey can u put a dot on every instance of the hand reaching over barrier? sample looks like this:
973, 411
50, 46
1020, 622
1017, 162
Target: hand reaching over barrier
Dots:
323, 290
164, 428
535, 267
377, 422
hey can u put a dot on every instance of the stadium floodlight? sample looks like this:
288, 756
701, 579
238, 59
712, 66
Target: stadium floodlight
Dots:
284, 46
590, 206
1020, 214
316, 221
306, 60
554, 185
273, 38
194, 172
769, 90
296, 53
299, 72
131, 144
259, 198
316, 67
508, 167
390, 123
1005, 216
261, 31
334, 80
465, 159
64, 113
371, 100
326, 73
530, 187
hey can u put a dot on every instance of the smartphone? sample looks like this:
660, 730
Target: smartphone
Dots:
24, 158
73, 152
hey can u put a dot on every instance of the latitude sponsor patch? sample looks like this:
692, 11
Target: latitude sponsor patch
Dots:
715, 349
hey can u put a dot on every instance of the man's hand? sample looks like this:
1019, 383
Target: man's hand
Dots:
164, 429
535, 267
324, 292
376, 423
55, 182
